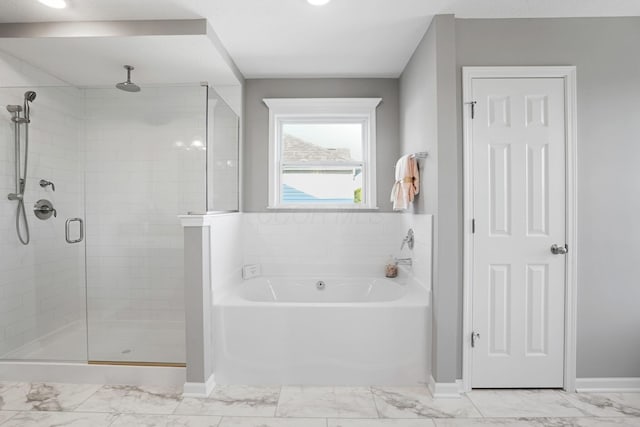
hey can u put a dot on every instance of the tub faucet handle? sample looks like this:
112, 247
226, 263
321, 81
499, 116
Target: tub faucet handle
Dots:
408, 240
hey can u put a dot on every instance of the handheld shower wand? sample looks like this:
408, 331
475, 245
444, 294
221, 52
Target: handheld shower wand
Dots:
21, 177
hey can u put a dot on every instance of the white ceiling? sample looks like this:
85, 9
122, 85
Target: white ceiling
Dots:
278, 38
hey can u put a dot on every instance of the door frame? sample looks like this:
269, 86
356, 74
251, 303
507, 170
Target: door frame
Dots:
568, 73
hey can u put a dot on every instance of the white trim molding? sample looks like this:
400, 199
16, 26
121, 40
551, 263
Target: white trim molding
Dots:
568, 73
445, 390
199, 389
323, 110
608, 385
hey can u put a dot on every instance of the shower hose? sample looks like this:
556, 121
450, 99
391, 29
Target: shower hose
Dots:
21, 211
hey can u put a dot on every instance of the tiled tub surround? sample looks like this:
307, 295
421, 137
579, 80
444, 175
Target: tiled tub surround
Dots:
332, 243
26, 404
42, 284
145, 165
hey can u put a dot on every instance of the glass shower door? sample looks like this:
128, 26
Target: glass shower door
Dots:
146, 164
42, 283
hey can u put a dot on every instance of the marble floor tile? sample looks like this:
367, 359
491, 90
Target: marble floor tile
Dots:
488, 422
133, 399
325, 402
606, 404
4, 385
523, 403
59, 419
380, 423
45, 397
129, 420
536, 422
5, 415
272, 422
233, 400
600, 422
417, 402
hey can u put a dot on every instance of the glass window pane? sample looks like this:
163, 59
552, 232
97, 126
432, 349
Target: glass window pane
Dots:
315, 142
328, 185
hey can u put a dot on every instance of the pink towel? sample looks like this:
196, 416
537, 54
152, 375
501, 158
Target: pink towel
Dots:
407, 183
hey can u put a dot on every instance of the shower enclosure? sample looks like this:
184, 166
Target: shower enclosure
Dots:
109, 288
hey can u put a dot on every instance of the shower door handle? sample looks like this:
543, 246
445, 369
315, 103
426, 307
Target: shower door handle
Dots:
66, 230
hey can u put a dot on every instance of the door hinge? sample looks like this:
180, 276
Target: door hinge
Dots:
474, 337
473, 226
473, 108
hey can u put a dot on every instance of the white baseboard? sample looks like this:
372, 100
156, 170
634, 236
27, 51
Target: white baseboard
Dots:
607, 385
445, 390
199, 389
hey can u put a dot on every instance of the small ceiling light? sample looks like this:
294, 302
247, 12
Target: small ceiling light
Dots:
318, 2
56, 4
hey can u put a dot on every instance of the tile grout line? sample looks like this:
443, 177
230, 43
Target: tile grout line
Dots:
275, 413
115, 418
375, 404
562, 395
101, 386
482, 415
12, 416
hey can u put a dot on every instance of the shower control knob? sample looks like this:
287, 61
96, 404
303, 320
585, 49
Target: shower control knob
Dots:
44, 209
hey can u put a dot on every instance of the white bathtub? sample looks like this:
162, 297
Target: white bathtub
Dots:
366, 331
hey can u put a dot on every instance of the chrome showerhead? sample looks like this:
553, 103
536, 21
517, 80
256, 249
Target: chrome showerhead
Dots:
128, 86
29, 96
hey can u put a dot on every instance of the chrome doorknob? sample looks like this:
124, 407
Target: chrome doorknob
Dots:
559, 250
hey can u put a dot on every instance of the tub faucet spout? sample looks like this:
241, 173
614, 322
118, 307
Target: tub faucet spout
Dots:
404, 261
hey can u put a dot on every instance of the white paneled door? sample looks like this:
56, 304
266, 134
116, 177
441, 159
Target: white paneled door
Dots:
518, 286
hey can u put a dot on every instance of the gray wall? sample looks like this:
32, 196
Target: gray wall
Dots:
428, 122
256, 129
605, 51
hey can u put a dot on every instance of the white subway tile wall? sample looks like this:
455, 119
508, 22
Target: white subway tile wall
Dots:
145, 163
41, 285
333, 244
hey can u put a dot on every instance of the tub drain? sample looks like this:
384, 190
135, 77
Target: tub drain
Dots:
320, 285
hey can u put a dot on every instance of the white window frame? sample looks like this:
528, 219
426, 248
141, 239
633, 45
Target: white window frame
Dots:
323, 110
